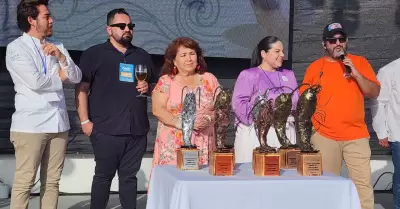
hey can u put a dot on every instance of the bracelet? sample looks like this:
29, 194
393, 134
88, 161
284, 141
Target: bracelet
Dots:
84, 122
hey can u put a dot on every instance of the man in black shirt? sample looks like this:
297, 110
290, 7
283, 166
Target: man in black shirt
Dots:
110, 112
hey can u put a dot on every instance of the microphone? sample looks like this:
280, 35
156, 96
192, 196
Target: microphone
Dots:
348, 69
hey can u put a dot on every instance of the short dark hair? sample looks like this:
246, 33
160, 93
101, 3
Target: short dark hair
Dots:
28, 8
112, 13
264, 44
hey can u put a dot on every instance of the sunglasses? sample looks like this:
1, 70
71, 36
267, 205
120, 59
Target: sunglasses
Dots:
123, 25
334, 40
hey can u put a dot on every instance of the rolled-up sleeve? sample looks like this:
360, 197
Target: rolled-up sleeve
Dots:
73, 72
241, 98
23, 69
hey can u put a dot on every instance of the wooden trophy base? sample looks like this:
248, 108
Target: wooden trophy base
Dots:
309, 164
222, 162
188, 159
289, 157
266, 164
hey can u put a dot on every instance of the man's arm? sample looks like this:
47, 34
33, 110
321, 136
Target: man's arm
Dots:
72, 71
21, 66
81, 101
369, 88
378, 106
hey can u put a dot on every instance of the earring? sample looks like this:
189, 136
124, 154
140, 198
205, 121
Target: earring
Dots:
198, 67
175, 70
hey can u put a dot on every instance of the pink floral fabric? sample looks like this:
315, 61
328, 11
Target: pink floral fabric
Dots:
168, 138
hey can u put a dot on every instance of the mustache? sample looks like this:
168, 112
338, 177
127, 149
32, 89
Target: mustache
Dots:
128, 34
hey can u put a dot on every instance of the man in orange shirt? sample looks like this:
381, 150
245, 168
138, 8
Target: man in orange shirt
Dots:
341, 132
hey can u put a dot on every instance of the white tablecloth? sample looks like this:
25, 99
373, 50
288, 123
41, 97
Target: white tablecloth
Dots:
175, 189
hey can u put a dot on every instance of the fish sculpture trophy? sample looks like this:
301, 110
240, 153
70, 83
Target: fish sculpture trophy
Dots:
222, 156
188, 154
282, 110
309, 159
266, 160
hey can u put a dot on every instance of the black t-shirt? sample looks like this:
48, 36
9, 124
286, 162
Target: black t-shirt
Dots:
113, 106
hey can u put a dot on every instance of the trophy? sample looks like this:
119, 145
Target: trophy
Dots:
188, 154
309, 161
222, 156
282, 110
266, 160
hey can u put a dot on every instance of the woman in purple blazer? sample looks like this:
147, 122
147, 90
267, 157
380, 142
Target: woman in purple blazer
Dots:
265, 72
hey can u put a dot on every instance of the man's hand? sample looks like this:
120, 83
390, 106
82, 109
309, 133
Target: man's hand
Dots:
87, 128
50, 49
62, 74
384, 142
354, 72
142, 87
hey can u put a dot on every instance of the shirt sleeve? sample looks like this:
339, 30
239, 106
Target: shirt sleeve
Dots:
73, 72
378, 105
23, 69
241, 98
152, 71
367, 71
309, 78
163, 85
87, 66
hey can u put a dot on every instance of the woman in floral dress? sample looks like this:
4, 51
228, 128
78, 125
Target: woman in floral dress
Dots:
184, 66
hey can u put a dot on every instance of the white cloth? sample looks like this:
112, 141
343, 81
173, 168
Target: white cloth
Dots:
246, 140
386, 108
171, 188
39, 99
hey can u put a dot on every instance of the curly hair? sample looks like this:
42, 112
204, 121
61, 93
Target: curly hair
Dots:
172, 50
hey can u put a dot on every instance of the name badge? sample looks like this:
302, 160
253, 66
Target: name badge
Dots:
284, 78
126, 72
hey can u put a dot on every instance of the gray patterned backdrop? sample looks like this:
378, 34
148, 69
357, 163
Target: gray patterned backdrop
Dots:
224, 28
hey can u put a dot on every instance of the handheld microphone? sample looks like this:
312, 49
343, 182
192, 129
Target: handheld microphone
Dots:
342, 56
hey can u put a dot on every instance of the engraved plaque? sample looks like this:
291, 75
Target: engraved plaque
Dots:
288, 157
267, 164
222, 163
188, 159
310, 164
291, 158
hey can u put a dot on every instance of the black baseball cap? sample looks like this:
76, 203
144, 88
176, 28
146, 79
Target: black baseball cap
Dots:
331, 29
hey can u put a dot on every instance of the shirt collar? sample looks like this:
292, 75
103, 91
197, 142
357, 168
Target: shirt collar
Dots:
30, 38
109, 45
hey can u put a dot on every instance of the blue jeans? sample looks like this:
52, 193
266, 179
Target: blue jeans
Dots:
395, 148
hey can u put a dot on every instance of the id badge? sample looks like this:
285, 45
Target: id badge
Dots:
126, 72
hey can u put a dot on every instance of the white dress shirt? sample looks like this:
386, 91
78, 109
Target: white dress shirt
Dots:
386, 108
39, 99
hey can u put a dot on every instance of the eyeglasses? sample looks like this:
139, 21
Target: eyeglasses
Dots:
334, 40
123, 25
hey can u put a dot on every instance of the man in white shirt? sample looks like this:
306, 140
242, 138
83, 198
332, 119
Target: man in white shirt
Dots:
385, 109
39, 128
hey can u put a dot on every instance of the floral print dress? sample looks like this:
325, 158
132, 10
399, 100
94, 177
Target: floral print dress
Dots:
168, 138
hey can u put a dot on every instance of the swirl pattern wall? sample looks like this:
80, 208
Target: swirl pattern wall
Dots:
224, 28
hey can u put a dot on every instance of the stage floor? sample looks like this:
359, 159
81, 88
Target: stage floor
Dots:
382, 201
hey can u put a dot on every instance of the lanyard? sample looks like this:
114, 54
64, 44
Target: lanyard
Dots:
43, 60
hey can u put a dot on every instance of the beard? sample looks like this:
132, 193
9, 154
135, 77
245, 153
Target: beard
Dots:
46, 30
126, 39
336, 52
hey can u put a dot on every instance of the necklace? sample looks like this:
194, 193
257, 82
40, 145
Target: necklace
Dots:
269, 80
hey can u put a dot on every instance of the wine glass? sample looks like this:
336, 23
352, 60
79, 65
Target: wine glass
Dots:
141, 75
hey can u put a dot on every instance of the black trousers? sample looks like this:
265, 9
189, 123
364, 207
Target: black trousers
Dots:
122, 153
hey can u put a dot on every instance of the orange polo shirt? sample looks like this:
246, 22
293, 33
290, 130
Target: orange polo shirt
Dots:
340, 104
